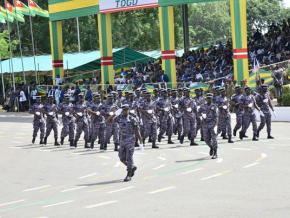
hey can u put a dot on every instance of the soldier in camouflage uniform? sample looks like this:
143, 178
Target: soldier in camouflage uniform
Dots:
249, 105
163, 106
224, 121
188, 107
50, 110
138, 97
66, 109
128, 132
80, 112
180, 93
38, 120
97, 121
199, 101
264, 102
107, 110
119, 98
237, 100
178, 125
209, 114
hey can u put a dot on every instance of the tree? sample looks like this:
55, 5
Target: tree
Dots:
4, 44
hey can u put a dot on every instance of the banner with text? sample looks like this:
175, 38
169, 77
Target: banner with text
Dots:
110, 6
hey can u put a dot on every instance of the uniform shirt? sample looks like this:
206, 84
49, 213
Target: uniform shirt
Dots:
147, 105
246, 101
155, 98
81, 108
128, 124
66, 107
238, 98
119, 100
96, 106
37, 108
161, 104
199, 100
186, 103
108, 107
212, 115
222, 102
216, 99
174, 100
264, 106
50, 108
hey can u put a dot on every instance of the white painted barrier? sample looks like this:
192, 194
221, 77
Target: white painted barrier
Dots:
282, 114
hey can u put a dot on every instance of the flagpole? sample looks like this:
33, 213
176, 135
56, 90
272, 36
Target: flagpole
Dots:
2, 75
78, 30
33, 49
11, 55
20, 46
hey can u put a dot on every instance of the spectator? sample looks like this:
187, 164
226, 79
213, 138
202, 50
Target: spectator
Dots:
89, 94
22, 100
33, 94
278, 81
57, 95
58, 80
76, 94
72, 91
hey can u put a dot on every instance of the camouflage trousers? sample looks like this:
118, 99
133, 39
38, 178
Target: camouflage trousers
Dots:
247, 120
98, 131
149, 129
239, 122
178, 125
126, 151
209, 135
38, 125
51, 124
166, 125
82, 125
224, 124
189, 126
266, 120
199, 126
112, 130
68, 129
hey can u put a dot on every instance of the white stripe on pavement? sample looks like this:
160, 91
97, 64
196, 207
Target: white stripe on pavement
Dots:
117, 164
192, 171
213, 176
101, 204
156, 168
203, 153
161, 190
250, 165
82, 177
32, 189
243, 149
220, 160
72, 189
161, 158
13, 202
58, 203
119, 190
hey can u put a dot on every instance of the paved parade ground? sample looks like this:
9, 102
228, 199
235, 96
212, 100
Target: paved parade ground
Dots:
249, 179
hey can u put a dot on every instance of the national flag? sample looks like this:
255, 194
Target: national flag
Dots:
256, 65
35, 9
2, 20
10, 10
21, 8
3, 14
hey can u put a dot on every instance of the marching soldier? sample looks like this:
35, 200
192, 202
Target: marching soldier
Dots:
50, 110
199, 101
188, 107
216, 96
97, 121
119, 98
209, 114
237, 100
66, 109
128, 132
80, 112
224, 121
108, 110
146, 109
156, 95
138, 97
264, 102
249, 105
178, 125
180, 93
38, 120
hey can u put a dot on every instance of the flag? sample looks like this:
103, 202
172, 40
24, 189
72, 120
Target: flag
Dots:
3, 14
2, 20
10, 10
256, 65
35, 9
21, 8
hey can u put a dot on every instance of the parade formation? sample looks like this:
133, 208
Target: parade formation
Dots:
139, 115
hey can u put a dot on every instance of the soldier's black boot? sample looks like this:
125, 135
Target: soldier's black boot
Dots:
189, 136
116, 147
202, 140
192, 143
44, 141
71, 143
178, 138
181, 139
225, 136
159, 138
258, 133
41, 142
241, 135
211, 151
150, 139
133, 171
33, 140
235, 132
255, 138
105, 146
92, 144
269, 136
214, 156
102, 146
76, 143
128, 177
99, 142
86, 144
169, 140
230, 139
154, 145
61, 140
143, 140
56, 142
245, 136
136, 143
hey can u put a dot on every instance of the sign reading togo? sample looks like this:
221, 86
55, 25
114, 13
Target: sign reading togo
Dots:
110, 6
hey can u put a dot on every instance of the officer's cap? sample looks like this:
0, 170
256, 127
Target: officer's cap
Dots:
163, 90
209, 95
156, 90
125, 106
131, 94
66, 96
169, 89
120, 90
174, 90
96, 95
147, 93
143, 89
222, 89
217, 88
197, 90
114, 93
201, 89
81, 95
186, 90
180, 89
264, 86
110, 96
238, 87
126, 93
138, 91
247, 88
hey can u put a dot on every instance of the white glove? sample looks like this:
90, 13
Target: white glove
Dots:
67, 113
261, 113
250, 105
198, 107
141, 147
225, 107
150, 111
98, 113
37, 113
132, 111
80, 114
265, 100
166, 109
176, 106
275, 115
111, 113
118, 112
141, 123
204, 116
189, 110
51, 113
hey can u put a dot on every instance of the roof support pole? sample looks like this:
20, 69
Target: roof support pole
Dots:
106, 50
239, 35
166, 20
56, 41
